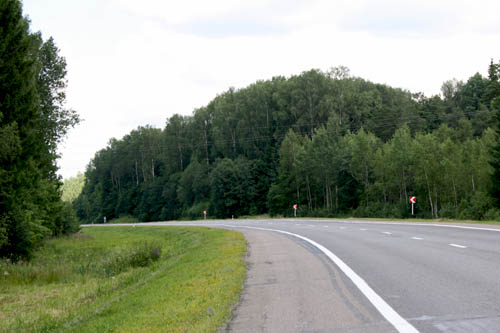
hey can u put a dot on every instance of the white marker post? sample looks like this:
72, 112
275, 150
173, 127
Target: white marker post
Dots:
413, 201
295, 210
205, 214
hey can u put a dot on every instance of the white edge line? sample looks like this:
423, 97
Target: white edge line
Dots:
385, 309
459, 246
417, 238
387, 233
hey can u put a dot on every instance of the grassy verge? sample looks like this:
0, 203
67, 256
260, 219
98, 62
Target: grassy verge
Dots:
143, 279
124, 219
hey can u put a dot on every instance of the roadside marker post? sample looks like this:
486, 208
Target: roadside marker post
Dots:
295, 206
413, 201
205, 214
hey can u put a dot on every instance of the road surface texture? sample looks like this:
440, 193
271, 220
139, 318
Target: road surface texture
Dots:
367, 276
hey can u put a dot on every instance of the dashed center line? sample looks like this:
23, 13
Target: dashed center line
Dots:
387, 233
325, 226
342, 228
363, 229
459, 246
417, 238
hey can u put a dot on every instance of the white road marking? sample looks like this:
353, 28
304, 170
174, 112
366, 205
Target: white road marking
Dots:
387, 233
459, 246
325, 226
417, 238
385, 309
363, 229
297, 224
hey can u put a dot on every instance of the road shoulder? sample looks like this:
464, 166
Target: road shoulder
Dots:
292, 287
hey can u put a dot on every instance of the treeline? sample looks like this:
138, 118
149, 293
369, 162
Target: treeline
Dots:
332, 143
33, 121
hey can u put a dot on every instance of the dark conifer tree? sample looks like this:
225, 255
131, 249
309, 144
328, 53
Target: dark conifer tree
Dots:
32, 122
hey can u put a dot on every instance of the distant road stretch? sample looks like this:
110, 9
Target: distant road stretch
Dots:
367, 276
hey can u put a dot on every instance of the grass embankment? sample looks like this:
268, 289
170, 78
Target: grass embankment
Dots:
119, 279
124, 219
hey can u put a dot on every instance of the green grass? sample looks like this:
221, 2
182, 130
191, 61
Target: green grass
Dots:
124, 219
125, 279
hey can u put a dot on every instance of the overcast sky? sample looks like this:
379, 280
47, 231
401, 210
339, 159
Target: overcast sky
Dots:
134, 63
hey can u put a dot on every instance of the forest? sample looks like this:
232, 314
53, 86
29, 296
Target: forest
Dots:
334, 144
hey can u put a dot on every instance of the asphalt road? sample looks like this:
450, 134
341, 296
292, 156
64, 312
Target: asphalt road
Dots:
437, 278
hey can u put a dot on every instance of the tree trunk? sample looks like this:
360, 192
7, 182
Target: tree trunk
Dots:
142, 168
336, 198
233, 137
205, 134
311, 114
153, 168
406, 189
435, 202
309, 196
327, 199
180, 156
429, 193
136, 174
455, 193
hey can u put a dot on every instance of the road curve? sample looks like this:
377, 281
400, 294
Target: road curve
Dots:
437, 278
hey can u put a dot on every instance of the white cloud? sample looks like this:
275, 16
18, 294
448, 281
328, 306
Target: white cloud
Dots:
140, 62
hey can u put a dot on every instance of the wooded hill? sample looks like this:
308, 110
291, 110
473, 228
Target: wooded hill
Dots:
333, 144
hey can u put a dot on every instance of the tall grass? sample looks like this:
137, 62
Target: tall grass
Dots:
115, 278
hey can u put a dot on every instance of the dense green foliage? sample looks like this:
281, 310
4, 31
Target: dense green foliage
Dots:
125, 279
33, 121
72, 187
332, 143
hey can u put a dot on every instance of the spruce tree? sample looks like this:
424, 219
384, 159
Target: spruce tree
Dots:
492, 89
32, 123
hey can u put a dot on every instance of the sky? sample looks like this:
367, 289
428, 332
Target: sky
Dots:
134, 63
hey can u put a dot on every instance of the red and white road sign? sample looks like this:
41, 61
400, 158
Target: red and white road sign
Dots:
205, 212
413, 200
295, 206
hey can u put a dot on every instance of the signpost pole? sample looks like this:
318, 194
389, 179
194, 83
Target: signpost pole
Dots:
413, 201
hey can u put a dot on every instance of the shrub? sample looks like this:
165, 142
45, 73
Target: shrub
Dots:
139, 255
493, 214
